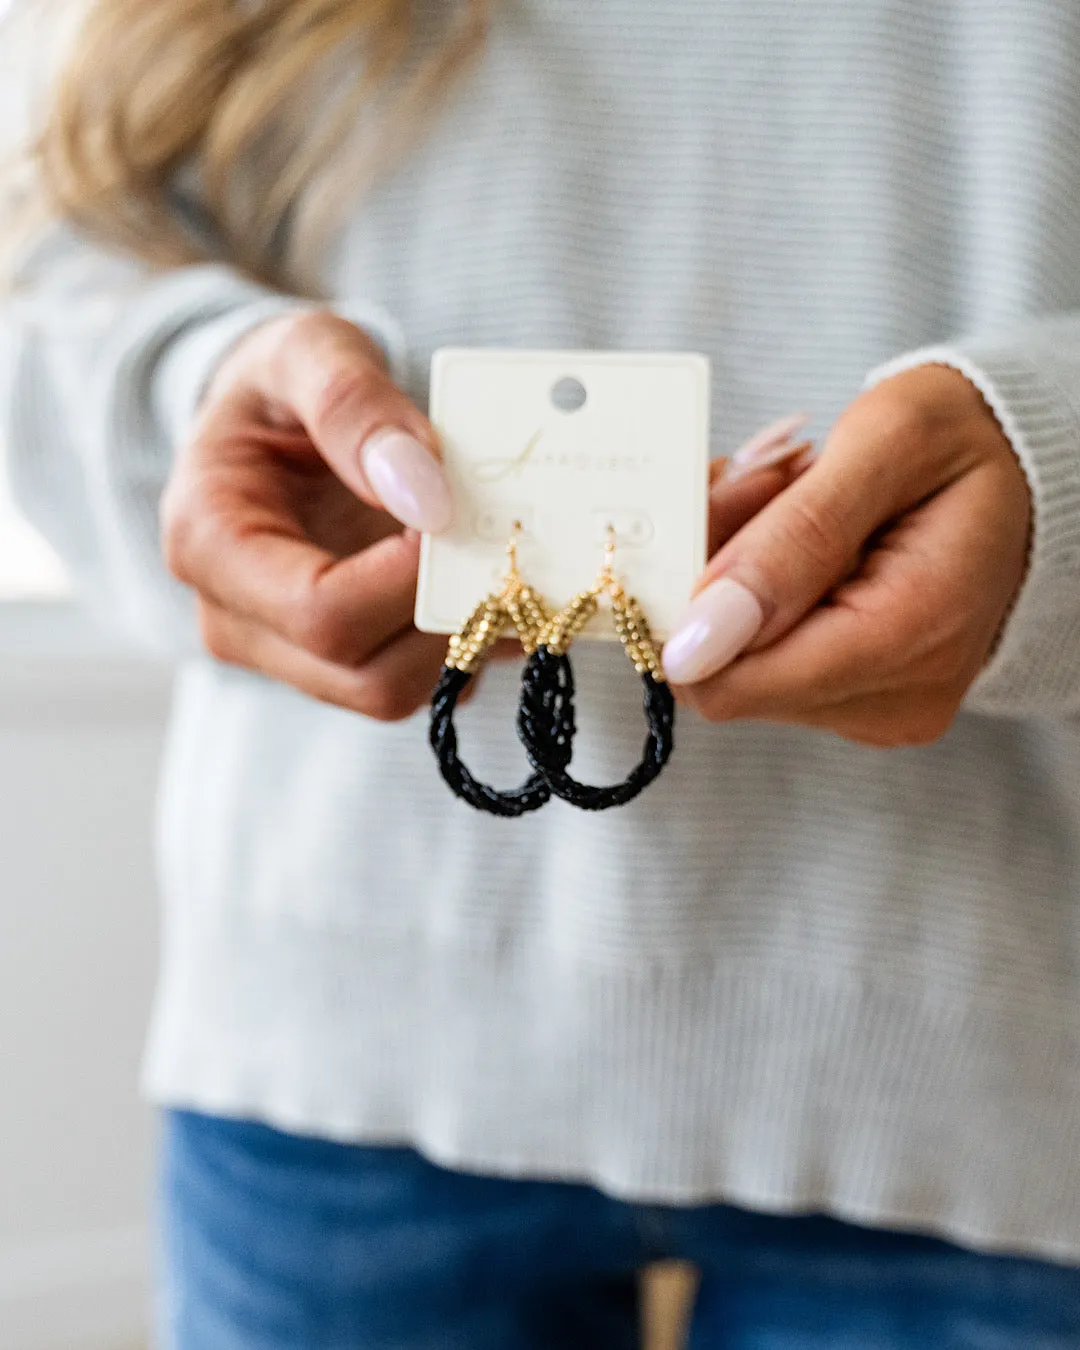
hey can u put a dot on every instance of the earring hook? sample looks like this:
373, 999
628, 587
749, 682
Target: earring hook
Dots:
512, 573
609, 551
606, 580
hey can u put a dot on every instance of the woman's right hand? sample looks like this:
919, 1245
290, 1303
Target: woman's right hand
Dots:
285, 514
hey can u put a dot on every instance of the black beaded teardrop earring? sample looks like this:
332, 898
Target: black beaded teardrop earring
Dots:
517, 606
546, 710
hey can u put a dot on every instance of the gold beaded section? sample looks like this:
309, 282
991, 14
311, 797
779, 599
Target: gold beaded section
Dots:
562, 628
519, 607
631, 626
479, 632
516, 607
528, 613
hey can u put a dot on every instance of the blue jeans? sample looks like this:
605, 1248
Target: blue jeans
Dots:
274, 1242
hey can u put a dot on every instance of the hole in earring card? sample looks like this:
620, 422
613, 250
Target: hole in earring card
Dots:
568, 395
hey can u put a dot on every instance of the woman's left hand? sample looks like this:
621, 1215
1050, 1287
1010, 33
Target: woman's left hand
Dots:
866, 597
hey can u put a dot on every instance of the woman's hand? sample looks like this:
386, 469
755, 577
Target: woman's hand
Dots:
866, 597
285, 514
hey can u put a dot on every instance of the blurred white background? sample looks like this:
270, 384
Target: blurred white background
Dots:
81, 723
80, 730
28, 567
79, 743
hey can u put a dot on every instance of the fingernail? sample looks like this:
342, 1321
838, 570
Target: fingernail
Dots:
720, 623
408, 480
770, 436
768, 446
766, 459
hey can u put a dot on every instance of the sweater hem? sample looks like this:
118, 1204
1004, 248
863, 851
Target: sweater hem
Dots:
772, 1088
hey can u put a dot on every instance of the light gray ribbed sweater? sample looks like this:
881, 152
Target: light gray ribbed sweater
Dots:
796, 972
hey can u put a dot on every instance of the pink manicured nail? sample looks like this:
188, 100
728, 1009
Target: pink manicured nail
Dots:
408, 479
720, 623
771, 445
768, 438
767, 459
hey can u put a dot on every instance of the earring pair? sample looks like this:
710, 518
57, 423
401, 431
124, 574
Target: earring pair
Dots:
545, 719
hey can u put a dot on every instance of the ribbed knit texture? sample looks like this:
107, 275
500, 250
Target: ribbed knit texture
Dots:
796, 973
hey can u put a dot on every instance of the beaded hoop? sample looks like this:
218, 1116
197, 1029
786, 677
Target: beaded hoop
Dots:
518, 607
547, 689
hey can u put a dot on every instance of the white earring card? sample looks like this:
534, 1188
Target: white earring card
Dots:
568, 444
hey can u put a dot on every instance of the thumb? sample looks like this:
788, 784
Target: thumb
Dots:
327, 374
781, 563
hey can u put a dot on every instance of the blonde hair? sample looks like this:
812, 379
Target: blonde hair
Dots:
318, 94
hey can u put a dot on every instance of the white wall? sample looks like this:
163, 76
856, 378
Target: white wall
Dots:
79, 742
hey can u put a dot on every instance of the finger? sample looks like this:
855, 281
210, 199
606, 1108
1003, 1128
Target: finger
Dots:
920, 614
833, 656
391, 686
245, 552
717, 469
320, 369
733, 502
773, 445
799, 463
770, 446
889, 721
780, 454
795, 550
780, 432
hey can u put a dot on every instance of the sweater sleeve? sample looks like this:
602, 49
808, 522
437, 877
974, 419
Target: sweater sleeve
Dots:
1030, 378
107, 366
